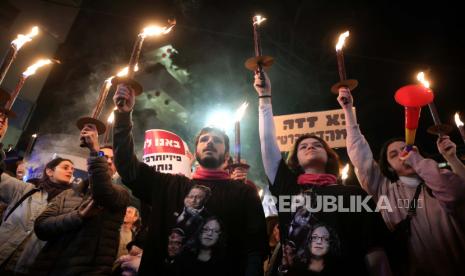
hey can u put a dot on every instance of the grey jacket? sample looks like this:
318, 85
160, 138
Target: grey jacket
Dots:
78, 246
19, 226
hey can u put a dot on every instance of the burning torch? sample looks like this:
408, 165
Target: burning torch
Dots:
13, 50
343, 81
129, 79
31, 70
237, 135
103, 94
259, 61
438, 128
109, 127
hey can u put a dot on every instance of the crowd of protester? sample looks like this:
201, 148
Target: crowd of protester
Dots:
127, 218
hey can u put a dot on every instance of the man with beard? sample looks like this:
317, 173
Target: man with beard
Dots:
235, 204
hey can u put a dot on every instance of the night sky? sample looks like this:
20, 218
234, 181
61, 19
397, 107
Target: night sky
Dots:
389, 43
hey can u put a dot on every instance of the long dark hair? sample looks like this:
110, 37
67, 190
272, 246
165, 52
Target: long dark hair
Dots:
386, 169
194, 245
332, 165
334, 251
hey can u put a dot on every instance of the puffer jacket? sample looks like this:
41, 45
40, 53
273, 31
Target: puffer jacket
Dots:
82, 246
18, 230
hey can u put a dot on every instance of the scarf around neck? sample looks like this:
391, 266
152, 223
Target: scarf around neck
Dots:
204, 174
52, 189
316, 179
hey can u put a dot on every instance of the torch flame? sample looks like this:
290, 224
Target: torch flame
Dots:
345, 172
111, 118
257, 19
241, 111
341, 41
457, 120
421, 78
124, 71
31, 70
155, 31
34, 135
260, 192
22, 39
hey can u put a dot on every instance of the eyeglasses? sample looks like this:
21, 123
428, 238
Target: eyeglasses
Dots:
319, 239
206, 230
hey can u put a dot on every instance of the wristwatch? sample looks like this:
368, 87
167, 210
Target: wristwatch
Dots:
97, 154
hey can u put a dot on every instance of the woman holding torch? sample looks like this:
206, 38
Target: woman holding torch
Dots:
308, 178
429, 233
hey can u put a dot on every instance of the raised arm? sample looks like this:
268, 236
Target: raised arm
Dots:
367, 170
447, 187
271, 156
448, 150
104, 192
126, 161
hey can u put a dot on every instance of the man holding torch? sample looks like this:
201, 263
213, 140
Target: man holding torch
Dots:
237, 206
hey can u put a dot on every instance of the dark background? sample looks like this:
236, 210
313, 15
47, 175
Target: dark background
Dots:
389, 43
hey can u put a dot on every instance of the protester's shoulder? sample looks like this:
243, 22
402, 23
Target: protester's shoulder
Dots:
10, 180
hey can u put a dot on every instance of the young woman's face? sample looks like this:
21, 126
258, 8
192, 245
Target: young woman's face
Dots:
62, 173
311, 152
319, 245
393, 157
211, 232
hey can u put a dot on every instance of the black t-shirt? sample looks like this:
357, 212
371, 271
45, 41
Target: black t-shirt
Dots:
331, 242
239, 226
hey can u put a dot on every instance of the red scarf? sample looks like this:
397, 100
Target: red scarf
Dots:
204, 174
316, 179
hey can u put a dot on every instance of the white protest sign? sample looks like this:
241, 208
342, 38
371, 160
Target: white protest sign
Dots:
166, 152
328, 125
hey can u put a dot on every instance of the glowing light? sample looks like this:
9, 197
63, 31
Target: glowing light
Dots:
220, 119
257, 19
155, 31
124, 72
421, 78
111, 118
31, 70
23, 39
240, 112
457, 120
345, 172
341, 40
